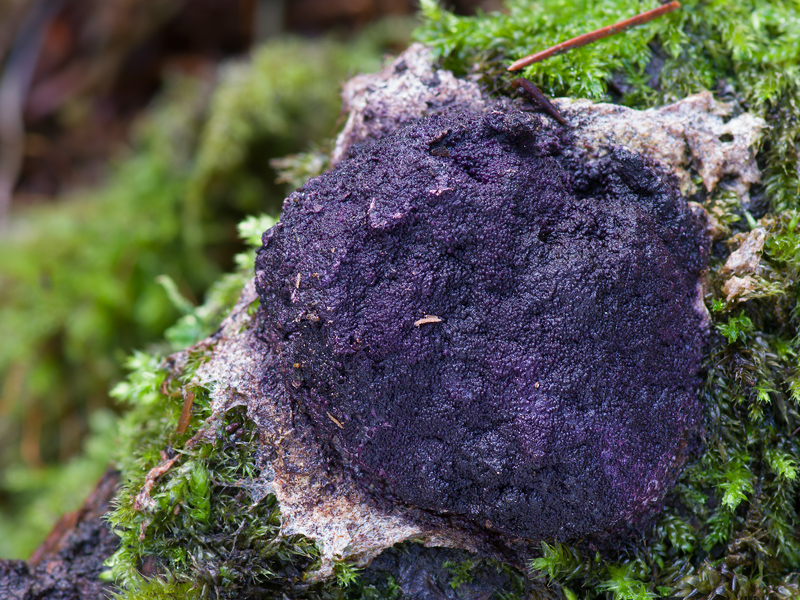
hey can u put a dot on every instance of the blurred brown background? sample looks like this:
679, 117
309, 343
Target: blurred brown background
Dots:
78, 71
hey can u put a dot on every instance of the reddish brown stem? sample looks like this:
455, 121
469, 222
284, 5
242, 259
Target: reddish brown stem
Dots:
536, 95
186, 413
593, 36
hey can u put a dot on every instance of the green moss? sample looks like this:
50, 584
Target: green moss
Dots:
206, 530
345, 573
462, 572
210, 528
389, 591
467, 571
410, 570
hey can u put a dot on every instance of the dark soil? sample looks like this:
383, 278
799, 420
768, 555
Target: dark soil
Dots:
68, 564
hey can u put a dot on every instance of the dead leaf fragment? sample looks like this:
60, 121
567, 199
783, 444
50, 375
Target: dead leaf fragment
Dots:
144, 501
738, 286
746, 258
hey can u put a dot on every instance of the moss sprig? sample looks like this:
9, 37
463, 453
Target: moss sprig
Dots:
206, 535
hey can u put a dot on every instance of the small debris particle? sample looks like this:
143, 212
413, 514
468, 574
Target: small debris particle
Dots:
143, 501
335, 420
186, 412
535, 95
440, 136
427, 319
143, 528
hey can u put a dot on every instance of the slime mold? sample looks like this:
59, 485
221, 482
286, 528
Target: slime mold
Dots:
480, 323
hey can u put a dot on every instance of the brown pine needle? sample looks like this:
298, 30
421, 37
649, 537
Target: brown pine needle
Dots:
597, 34
186, 412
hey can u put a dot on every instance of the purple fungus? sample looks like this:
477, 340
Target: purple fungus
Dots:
483, 324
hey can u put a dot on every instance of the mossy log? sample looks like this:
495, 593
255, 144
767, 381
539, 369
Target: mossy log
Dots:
229, 494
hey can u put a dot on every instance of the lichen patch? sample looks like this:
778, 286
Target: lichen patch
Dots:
693, 134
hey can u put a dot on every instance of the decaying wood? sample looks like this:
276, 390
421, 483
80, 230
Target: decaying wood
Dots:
67, 565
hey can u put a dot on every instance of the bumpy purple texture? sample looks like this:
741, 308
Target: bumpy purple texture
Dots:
555, 395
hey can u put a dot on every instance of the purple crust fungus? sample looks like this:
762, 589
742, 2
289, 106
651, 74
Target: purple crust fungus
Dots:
481, 324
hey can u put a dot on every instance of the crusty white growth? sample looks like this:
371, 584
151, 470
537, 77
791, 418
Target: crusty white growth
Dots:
690, 135
746, 258
743, 265
409, 88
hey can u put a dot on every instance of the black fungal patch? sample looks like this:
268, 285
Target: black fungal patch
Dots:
485, 325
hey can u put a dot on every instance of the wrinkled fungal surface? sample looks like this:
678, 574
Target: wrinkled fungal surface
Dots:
481, 324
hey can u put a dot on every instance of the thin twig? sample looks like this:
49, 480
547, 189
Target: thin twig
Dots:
593, 36
536, 96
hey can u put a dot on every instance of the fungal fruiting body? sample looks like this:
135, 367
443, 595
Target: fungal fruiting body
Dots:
484, 325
